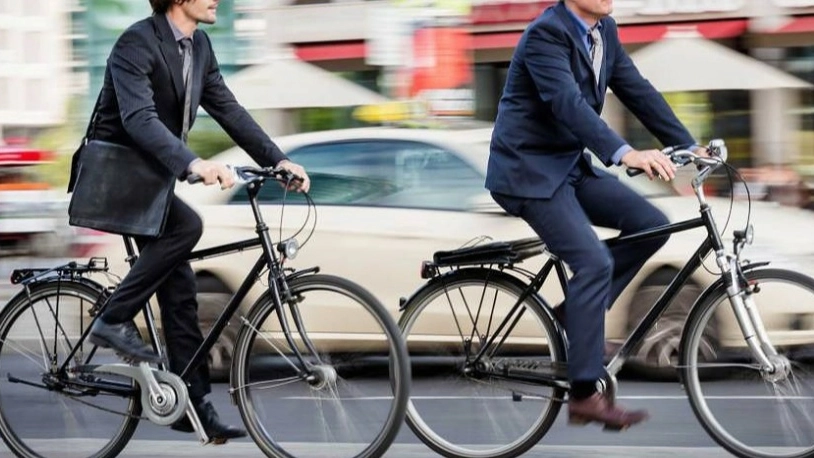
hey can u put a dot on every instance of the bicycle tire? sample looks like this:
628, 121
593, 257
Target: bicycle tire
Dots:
726, 407
431, 416
27, 432
339, 334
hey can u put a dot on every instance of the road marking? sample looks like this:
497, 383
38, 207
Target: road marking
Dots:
243, 448
633, 397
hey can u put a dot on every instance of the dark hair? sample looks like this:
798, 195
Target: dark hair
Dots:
161, 6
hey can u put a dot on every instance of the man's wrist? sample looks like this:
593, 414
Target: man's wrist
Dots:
194, 161
617, 156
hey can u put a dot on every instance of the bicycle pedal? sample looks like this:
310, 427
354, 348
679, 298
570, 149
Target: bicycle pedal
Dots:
218, 441
614, 428
578, 421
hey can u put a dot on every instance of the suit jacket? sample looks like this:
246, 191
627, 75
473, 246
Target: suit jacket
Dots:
141, 103
549, 111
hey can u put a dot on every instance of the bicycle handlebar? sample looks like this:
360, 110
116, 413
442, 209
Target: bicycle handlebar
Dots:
248, 174
682, 156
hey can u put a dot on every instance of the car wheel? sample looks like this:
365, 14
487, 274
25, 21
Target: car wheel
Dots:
657, 356
213, 295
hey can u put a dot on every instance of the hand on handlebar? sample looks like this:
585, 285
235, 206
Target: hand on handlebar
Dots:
702, 151
301, 182
211, 172
653, 162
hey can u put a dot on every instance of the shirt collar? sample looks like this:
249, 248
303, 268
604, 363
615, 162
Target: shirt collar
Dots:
583, 26
176, 32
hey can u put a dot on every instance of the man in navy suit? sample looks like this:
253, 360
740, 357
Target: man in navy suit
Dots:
158, 73
539, 169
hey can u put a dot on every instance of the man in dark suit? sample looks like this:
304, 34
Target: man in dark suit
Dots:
539, 169
158, 73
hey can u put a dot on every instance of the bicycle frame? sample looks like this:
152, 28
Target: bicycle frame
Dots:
277, 286
750, 323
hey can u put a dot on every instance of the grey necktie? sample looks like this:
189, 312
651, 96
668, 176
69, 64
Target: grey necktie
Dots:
597, 49
186, 51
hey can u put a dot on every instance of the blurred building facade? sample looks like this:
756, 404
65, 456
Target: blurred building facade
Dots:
52, 50
35, 64
765, 127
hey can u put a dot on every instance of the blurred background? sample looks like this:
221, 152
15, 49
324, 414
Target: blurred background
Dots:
735, 69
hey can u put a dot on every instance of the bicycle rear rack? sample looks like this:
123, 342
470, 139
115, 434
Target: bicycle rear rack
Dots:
500, 253
31, 275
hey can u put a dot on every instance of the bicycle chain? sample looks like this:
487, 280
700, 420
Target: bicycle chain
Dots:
525, 393
105, 409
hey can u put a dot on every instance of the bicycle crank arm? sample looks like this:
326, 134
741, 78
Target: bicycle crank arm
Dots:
164, 396
196, 423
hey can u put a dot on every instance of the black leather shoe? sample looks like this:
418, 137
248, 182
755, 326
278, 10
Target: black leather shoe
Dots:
217, 432
124, 339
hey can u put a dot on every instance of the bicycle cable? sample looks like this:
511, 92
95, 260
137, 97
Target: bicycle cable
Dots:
730, 172
310, 205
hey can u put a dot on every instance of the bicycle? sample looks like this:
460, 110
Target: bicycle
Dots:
495, 345
316, 354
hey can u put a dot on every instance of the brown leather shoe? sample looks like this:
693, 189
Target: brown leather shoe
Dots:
597, 408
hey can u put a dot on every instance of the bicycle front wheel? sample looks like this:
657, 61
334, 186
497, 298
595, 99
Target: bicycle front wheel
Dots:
349, 400
498, 405
52, 406
749, 412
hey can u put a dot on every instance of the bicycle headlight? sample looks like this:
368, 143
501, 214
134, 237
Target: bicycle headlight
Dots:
289, 248
745, 236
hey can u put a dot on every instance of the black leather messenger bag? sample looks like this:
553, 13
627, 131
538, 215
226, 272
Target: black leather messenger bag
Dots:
118, 189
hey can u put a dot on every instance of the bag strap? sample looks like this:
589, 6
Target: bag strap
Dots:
93, 118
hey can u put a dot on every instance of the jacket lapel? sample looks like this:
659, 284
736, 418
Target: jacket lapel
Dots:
172, 57
576, 37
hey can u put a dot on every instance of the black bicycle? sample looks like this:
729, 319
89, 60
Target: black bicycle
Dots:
497, 356
319, 367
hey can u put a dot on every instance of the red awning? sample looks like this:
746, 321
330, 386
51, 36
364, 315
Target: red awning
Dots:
800, 24
629, 34
19, 156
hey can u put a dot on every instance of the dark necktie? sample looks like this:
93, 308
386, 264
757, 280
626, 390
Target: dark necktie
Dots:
186, 51
596, 51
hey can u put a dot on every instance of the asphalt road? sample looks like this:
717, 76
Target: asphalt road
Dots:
672, 431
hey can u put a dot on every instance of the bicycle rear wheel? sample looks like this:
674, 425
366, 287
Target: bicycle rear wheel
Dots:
491, 407
747, 411
46, 412
352, 403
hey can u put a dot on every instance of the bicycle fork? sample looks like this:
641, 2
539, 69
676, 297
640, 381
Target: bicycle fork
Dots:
741, 298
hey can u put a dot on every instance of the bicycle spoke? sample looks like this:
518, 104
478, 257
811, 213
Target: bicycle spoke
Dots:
466, 408
37, 333
723, 386
272, 345
31, 356
348, 399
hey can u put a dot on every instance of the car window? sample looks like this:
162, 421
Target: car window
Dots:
382, 173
